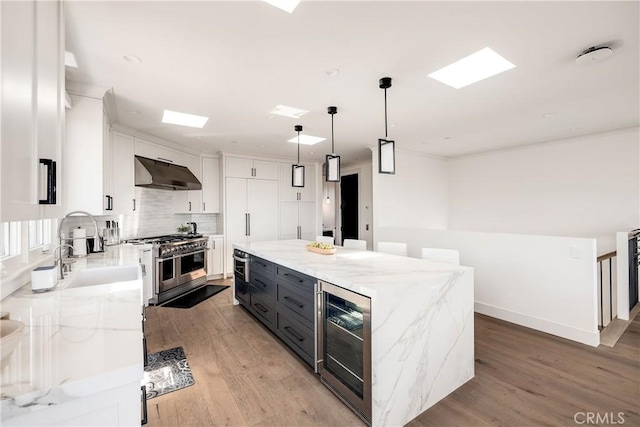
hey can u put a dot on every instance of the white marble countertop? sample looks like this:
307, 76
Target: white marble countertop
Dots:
365, 272
77, 341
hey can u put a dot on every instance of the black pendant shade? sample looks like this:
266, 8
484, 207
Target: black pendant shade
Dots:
297, 170
386, 147
332, 161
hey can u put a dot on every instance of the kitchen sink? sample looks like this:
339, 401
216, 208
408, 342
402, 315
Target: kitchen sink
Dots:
10, 336
105, 275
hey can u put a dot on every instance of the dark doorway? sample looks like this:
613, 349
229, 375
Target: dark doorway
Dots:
349, 206
633, 272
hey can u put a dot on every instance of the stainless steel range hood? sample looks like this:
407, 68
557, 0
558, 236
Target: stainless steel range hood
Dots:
166, 176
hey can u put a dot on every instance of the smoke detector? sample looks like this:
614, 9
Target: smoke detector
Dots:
594, 54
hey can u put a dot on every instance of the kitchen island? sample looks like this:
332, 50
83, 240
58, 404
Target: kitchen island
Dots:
80, 360
421, 320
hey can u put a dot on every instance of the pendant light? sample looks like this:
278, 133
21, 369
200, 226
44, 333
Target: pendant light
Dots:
297, 170
386, 147
332, 162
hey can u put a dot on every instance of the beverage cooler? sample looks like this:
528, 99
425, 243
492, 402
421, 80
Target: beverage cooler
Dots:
344, 346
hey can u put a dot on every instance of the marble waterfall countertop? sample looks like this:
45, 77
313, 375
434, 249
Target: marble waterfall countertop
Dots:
421, 321
77, 341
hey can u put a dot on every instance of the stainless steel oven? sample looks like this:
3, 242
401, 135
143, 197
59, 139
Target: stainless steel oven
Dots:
179, 264
344, 346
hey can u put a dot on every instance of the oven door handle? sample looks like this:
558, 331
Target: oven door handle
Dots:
160, 260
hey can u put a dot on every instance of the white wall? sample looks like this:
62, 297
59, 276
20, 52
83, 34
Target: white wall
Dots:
544, 283
416, 195
584, 187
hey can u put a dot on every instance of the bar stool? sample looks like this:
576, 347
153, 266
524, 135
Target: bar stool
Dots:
354, 244
324, 239
394, 248
451, 256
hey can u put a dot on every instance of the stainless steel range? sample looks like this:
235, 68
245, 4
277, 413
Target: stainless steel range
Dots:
179, 264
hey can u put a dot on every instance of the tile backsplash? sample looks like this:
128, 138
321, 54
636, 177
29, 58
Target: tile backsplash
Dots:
154, 216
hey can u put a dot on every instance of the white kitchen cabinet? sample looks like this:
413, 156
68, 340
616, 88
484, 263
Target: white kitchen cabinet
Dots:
297, 221
210, 185
121, 173
99, 163
189, 201
289, 193
251, 169
251, 212
155, 151
215, 257
85, 156
32, 52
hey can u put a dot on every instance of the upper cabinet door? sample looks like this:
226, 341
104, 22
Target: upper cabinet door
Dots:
265, 170
288, 193
155, 151
239, 168
249, 168
210, 185
18, 140
122, 174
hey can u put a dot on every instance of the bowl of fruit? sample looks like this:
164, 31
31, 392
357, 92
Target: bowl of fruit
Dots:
321, 248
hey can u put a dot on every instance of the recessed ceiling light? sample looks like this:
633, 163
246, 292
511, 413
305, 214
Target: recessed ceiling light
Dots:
198, 137
574, 129
473, 68
183, 119
70, 59
547, 115
307, 139
261, 145
286, 111
132, 59
312, 152
286, 5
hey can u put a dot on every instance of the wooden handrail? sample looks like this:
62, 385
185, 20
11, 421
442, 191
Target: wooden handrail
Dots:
606, 256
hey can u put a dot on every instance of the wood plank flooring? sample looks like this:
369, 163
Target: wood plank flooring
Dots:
246, 377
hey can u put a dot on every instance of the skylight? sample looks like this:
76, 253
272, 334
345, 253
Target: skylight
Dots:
70, 59
473, 68
307, 139
286, 5
183, 119
286, 111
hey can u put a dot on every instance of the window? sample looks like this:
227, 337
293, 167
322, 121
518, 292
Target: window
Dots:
40, 234
9, 239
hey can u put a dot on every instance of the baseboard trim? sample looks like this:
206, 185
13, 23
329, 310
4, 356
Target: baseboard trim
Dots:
543, 325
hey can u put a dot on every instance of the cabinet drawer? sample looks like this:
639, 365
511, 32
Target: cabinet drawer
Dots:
300, 303
299, 280
260, 265
262, 284
297, 336
263, 308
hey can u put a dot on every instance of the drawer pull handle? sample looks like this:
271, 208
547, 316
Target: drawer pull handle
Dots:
293, 333
260, 307
260, 282
294, 277
294, 302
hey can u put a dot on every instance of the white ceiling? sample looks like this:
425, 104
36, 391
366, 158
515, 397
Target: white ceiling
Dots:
234, 61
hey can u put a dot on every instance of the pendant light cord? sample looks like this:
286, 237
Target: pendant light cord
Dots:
298, 147
385, 114
333, 149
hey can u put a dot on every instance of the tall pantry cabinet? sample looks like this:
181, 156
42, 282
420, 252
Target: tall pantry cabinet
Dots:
251, 208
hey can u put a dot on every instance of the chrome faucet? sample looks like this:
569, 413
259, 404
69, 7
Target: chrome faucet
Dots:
98, 240
58, 261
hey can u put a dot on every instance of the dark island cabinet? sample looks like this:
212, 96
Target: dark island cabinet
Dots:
283, 300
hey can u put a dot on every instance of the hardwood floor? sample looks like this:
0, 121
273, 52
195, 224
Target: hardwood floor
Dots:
245, 376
